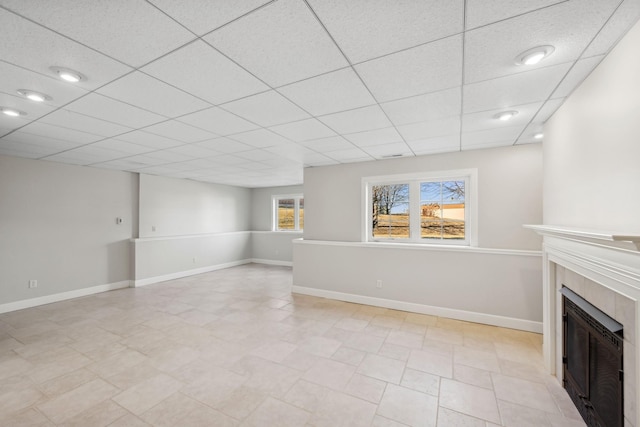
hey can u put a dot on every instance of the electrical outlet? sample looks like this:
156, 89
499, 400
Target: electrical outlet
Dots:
153, 228
194, 260
379, 284
33, 283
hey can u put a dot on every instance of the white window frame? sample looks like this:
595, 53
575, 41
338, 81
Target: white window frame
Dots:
296, 212
470, 176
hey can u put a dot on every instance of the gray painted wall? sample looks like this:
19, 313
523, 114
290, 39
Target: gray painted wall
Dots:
509, 194
58, 226
177, 207
266, 244
592, 148
497, 284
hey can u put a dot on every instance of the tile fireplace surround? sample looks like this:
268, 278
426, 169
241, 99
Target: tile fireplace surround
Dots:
604, 268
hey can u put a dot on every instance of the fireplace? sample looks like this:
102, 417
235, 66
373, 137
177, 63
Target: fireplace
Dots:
592, 359
604, 269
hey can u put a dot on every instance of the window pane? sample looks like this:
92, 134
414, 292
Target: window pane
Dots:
390, 211
442, 210
286, 219
301, 215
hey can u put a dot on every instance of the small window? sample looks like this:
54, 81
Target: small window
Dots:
288, 213
430, 208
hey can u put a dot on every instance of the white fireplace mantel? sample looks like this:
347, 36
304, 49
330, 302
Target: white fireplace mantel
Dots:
610, 259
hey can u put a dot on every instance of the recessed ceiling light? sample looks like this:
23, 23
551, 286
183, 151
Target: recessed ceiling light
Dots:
34, 96
538, 135
67, 74
506, 115
534, 55
12, 112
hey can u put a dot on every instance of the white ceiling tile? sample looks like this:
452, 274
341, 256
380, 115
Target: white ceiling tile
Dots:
528, 135
576, 75
202, 71
150, 160
122, 146
329, 93
202, 16
218, 121
624, 17
121, 164
486, 119
428, 68
332, 143
196, 164
113, 111
492, 51
99, 153
397, 149
491, 138
43, 129
261, 138
516, 89
149, 140
230, 159
483, 12
441, 144
224, 145
33, 110
292, 151
443, 127
256, 155
266, 109
193, 150
421, 108
358, 120
280, 43
303, 130
46, 143
365, 29
174, 129
17, 149
548, 109
41, 48
14, 78
80, 122
375, 137
71, 159
136, 32
86, 155
150, 94
350, 155
8, 124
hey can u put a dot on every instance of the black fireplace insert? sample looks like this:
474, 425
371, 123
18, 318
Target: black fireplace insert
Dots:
592, 361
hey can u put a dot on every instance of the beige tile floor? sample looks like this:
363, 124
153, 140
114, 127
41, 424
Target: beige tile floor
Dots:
235, 347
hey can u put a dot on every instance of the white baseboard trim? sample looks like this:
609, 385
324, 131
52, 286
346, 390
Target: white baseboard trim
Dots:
179, 274
272, 262
48, 299
468, 316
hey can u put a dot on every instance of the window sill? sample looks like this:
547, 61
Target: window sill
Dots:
421, 247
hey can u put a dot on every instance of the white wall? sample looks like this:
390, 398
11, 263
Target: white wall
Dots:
58, 226
198, 227
499, 283
178, 207
592, 148
267, 245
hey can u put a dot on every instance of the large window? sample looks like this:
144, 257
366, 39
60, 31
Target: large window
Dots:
288, 213
430, 208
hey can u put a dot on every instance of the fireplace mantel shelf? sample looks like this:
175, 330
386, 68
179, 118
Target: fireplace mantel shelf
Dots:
575, 233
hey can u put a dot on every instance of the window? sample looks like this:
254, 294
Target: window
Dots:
430, 208
288, 213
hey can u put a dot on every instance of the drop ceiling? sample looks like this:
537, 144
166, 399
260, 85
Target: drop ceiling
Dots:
249, 92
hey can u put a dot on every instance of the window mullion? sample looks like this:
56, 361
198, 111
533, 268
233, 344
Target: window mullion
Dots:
414, 209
